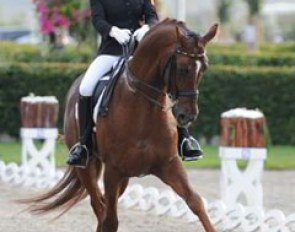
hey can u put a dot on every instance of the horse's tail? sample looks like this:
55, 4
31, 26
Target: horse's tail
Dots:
63, 196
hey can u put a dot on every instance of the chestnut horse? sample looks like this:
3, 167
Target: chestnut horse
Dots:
157, 92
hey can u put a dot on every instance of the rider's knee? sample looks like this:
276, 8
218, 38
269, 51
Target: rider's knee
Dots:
85, 89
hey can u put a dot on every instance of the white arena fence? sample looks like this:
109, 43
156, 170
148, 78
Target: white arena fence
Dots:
236, 218
166, 202
27, 176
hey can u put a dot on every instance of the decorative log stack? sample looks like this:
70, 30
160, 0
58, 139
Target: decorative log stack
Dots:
241, 127
39, 112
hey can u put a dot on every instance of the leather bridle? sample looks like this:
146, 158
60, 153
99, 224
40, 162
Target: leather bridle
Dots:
152, 93
170, 75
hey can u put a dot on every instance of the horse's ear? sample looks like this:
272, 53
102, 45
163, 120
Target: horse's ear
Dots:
179, 35
210, 34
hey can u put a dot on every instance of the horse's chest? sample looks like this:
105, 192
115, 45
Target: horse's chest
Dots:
134, 158
136, 145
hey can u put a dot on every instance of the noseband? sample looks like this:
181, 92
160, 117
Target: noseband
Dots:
170, 75
170, 78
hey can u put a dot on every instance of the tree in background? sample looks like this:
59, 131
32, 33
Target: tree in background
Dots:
223, 12
253, 29
61, 21
254, 7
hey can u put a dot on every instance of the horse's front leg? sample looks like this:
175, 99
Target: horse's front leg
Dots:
114, 186
175, 176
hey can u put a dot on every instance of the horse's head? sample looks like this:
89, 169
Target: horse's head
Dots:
170, 60
187, 65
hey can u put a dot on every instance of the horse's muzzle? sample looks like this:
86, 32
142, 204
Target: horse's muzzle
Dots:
183, 117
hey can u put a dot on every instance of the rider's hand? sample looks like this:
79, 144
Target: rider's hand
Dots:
121, 35
140, 32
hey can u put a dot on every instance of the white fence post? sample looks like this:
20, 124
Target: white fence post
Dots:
42, 158
235, 182
39, 120
242, 138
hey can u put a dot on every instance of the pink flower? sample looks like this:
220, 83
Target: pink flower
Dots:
42, 7
55, 14
46, 26
64, 21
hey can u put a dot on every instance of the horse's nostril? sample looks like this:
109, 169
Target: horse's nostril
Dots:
181, 117
183, 120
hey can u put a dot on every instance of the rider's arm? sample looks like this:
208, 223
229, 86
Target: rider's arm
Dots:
98, 18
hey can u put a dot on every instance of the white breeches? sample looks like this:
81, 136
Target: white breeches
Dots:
100, 66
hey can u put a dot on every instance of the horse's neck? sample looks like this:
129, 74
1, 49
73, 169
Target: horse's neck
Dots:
136, 105
133, 93
147, 66
144, 67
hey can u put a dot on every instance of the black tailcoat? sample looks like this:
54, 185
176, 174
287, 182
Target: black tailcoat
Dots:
121, 13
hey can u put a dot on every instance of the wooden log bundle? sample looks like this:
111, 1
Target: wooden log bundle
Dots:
39, 112
241, 127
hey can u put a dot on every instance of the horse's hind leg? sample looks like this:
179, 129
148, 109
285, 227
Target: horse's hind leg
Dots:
175, 176
89, 178
115, 185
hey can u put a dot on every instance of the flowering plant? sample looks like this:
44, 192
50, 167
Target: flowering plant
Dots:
61, 14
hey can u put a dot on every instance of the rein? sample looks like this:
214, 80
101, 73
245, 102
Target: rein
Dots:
172, 92
141, 85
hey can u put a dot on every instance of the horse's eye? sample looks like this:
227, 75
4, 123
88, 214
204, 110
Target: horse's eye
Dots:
183, 70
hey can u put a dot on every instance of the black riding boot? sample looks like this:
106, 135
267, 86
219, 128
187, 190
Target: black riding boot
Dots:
79, 154
189, 148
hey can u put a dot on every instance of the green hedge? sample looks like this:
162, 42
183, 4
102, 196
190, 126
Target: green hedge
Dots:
223, 88
12, 52
44, 79
235, 54
268, 89
249, 59
278, 48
